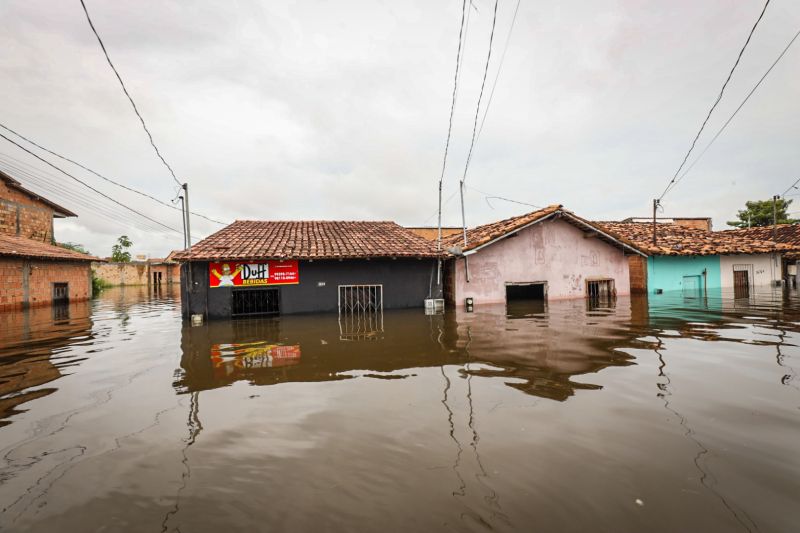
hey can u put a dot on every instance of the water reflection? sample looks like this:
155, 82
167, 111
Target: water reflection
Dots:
556, 417
538, 353
31, 343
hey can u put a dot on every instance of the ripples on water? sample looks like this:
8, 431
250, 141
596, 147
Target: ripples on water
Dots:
677, 415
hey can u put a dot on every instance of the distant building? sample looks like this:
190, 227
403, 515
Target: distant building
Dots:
703, 223
432, 232
546, 254
155, 272
33, 271
696, 261
785, 234
260, 267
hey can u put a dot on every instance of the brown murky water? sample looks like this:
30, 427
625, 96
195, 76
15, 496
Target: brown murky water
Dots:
679, 416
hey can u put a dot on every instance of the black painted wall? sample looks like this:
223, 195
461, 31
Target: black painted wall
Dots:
406, 283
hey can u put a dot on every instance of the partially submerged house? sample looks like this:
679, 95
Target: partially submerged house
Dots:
785, 234
696, 261
262, 268
546, 254
33, 271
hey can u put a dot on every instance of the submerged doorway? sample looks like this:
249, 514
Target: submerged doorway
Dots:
516, 292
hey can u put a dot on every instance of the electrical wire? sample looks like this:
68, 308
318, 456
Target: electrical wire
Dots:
741, 105
710, 111
499, 68
489, 196
480, 96
130, 99
109, 180
86, 184
93, 205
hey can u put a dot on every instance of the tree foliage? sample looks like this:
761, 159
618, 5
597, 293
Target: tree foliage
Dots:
119, 252
759, 213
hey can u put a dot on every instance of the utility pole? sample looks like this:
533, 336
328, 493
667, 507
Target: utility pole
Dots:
775, 217
186, 214
463, 217
183, 215
656, 203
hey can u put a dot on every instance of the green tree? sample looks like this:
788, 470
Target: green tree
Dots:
75, 247
759, 213
119, 252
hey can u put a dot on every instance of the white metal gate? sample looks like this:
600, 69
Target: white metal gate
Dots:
360, 311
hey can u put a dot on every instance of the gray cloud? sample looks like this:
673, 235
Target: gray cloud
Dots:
339, 109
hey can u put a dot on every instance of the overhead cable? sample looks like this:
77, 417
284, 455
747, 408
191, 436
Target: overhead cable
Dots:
499, 68
710, 111
87, 185
452, 110
130, 99
741, 105
109, 180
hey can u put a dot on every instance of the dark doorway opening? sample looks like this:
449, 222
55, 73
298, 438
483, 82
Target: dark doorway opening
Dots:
525, 291
252, 302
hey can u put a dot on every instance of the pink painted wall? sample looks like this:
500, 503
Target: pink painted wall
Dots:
553, 251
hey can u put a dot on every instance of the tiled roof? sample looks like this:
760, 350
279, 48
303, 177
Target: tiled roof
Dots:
250, 239
672, 239
788, 234
13, 246
59, 211
482, 235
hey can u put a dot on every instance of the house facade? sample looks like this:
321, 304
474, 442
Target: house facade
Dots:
549, 254
272, 268
33, 271
696, 261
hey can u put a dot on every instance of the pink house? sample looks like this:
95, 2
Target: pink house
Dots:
548, 254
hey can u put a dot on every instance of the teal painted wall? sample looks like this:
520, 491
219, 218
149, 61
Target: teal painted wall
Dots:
669, 273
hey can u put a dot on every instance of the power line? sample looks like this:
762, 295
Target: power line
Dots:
475, 123
452, 110
499, 68
56, 187
109, 180
130, 99
488, 196
741, 105
719, 97
86, 184
792, 186
480, 96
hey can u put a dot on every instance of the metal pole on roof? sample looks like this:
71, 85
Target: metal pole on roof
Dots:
655, 208
186, 205
463, 217
775, 217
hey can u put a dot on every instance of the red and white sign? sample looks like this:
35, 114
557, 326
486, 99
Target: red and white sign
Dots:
253, 273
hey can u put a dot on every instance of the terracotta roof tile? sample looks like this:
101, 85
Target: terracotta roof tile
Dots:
672, 239
251, 239
13, 246
480, 235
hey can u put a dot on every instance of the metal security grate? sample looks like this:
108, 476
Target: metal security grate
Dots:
600, 289
251, 302
360, 312
60, 292
360, 298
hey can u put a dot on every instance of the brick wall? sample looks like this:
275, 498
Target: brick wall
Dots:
170, 273
637, 265
694, 223
432, 234
22, 215
122, 273
30, 283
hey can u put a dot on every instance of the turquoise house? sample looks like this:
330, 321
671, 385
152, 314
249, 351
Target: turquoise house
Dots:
688, 274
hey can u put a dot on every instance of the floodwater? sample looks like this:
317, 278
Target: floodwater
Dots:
678, 415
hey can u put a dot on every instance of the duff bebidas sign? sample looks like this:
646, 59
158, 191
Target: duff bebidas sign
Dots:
252, 273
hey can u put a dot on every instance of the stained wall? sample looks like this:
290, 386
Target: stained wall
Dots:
553, 251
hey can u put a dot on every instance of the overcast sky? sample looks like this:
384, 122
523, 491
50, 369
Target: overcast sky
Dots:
339, 110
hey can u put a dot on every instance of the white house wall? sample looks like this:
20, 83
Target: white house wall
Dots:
766, 268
